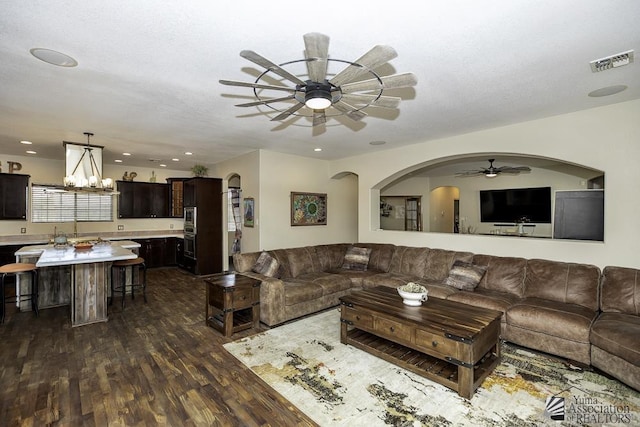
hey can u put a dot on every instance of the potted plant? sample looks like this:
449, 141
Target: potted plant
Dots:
199, 170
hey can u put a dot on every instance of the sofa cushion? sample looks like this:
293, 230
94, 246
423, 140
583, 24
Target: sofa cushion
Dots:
504, 274
408, 260
464, 275
499, 301
330, 283
303, 260
619, 334
563, 282
620, 291
440, 261
567, 321
381, 255
283, 259
331, 256
301, 291
267, 265
356, 277
356, 258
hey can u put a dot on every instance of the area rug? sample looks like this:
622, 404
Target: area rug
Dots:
340, 385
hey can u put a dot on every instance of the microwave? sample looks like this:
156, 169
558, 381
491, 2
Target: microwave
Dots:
190, 216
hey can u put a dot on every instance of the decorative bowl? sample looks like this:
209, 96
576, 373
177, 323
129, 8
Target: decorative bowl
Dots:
413, 294
82, 246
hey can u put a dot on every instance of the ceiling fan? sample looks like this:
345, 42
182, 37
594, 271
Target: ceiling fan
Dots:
354, 88
492, 171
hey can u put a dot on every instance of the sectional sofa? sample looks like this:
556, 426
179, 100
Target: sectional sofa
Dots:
571, 310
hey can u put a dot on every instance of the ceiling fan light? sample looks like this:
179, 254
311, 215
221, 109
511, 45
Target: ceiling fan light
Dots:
317, 99
491, 175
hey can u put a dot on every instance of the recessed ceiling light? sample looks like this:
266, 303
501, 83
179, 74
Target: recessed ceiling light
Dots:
163, 165
31, 152
606, 91
378, 142
53, 57
317, 149
188, 153
26, 142
118, 161
176, 160
126, 154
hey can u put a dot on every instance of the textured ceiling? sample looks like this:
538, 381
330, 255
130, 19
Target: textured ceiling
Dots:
148, 71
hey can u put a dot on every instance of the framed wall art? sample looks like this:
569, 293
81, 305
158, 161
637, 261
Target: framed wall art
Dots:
308, 208
248, 210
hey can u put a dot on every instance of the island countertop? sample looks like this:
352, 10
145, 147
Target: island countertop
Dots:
68, 255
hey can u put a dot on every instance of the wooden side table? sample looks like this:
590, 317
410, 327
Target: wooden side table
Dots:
233, 303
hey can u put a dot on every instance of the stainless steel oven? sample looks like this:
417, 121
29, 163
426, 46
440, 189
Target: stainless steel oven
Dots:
190, 217
189, 245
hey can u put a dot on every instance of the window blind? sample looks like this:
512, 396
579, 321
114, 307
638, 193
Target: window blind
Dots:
49, 204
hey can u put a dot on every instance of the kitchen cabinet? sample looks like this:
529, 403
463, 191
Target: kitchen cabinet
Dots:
13, 196
189, 193
203, 249
176, 196
143, 200
159, 252
179, 252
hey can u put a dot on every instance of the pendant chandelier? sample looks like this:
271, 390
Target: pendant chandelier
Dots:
83, 166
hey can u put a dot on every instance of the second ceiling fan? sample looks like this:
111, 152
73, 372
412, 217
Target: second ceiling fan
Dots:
493, 171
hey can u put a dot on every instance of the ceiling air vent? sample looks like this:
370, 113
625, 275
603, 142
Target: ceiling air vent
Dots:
613, 61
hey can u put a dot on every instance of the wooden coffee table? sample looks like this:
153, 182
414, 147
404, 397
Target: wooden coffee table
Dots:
454, 344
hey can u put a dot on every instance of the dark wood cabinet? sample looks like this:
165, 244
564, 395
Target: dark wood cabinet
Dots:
205, 194
189, 193
159, 252
179, 252
13, 196
143, 200
176, 196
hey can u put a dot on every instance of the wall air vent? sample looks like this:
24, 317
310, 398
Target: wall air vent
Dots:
613, 61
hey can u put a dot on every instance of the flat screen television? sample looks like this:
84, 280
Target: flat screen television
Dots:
509, 205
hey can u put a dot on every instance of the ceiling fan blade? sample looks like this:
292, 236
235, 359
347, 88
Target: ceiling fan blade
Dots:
264, 62
288, 112
256, 85
317, 49
514, 171
352, 112
377, 56
319, 117
266, 101
470, 173
382, 101
388, 82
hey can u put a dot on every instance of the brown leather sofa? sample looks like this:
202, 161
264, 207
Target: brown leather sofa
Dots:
549, 306
615, 334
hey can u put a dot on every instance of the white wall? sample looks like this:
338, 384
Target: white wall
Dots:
247, 167
605, 138
441, 217
45, 171
280, 175
269, 178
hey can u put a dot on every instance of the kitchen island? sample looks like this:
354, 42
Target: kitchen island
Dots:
76, 277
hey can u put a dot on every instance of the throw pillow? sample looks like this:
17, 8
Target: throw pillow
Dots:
465, 276
356, 258
266, 265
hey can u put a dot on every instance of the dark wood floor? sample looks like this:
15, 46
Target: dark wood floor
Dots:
151, 364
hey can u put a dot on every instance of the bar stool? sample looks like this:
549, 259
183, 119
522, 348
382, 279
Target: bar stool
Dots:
16, 269
121, 267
